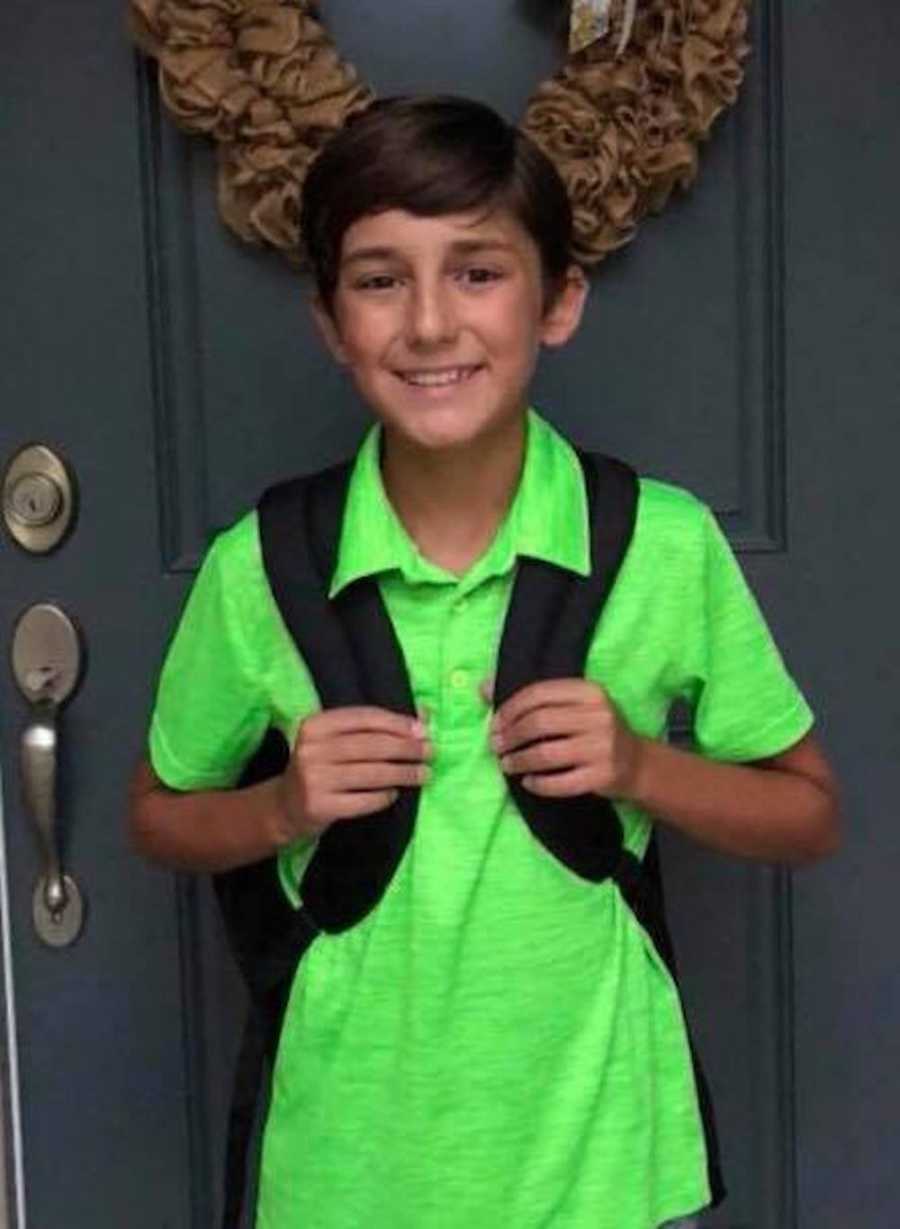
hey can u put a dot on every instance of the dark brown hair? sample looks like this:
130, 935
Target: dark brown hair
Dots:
429, 156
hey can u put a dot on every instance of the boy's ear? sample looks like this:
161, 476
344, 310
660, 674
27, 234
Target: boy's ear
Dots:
563, 316
328, 329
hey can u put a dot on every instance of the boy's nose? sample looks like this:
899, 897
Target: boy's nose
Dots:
431, 319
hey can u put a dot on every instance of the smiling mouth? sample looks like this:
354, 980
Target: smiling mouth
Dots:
438, 378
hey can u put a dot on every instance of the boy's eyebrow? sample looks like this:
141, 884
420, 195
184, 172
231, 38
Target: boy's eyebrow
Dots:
471, 247
460, 247
373, 253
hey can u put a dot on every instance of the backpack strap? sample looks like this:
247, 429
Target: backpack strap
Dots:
354, 657
547, 634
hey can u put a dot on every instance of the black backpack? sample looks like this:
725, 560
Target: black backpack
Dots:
353, 655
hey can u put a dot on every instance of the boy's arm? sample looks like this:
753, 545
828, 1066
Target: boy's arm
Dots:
566, 736
205, 830
346, 762
784, 808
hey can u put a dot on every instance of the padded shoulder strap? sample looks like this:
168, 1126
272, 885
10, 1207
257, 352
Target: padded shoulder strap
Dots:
298, 559
552, 611
547, 634
353, 654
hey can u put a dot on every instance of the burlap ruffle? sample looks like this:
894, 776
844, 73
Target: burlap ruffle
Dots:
263, 79
624, 132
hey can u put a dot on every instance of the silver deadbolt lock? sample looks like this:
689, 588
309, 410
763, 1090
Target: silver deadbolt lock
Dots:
38, 499
46, 662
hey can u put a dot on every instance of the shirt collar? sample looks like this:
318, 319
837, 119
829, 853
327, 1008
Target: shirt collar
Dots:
547, 518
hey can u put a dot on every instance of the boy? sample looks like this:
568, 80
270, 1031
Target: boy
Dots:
498, 1043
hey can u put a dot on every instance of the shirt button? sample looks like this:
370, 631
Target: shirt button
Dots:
459, 678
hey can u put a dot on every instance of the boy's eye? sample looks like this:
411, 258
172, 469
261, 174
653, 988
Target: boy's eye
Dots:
376, 281
478, 275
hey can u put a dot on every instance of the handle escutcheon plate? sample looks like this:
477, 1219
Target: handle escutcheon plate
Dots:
58, 927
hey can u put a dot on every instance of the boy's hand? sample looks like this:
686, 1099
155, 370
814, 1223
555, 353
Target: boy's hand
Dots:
348, 762
567, 738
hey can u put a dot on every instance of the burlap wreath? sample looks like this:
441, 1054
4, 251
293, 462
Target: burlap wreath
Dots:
263, 79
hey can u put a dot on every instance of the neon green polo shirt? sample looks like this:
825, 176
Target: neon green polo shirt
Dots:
498, 1043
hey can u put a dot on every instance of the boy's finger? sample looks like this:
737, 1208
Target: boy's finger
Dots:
350, 778
356, 747
549, 756
370, 802
361, 717
548, 691
557, 784
546, 722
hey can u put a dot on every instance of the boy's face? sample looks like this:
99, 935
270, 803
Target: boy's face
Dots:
439, 321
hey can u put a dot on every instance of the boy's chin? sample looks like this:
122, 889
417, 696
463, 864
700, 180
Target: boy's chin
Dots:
441, 432
452, 426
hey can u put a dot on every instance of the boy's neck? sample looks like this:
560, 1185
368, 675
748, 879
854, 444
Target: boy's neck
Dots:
452, 501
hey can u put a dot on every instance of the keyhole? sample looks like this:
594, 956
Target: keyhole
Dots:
41, 679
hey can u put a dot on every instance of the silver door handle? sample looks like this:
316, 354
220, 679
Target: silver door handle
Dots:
47, 658
39, 788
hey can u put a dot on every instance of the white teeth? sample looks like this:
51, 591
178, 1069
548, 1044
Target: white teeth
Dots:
434, 379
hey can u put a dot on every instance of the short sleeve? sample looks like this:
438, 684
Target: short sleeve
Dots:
746, 705
211, 708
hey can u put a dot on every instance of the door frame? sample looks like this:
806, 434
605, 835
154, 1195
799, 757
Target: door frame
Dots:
12, 1169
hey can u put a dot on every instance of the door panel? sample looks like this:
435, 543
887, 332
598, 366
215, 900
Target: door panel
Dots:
740, 347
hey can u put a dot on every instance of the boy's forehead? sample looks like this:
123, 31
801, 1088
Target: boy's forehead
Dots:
403, 233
